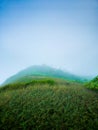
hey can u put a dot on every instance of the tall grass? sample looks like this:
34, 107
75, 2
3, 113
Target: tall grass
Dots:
46, 106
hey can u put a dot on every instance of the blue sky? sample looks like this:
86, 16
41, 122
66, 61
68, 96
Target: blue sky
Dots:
58, 33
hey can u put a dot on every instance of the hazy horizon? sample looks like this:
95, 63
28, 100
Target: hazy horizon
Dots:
58, 33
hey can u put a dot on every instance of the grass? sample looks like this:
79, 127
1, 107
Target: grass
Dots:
48, 105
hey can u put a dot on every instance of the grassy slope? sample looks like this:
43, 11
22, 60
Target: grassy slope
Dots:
42, 71
48, 104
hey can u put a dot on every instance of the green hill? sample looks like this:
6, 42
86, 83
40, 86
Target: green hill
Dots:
48, 104
37, 72
44, 98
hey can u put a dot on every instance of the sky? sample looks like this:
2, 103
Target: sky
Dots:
58, 33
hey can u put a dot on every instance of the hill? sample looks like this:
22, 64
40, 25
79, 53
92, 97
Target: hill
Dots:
53, 104
43, 71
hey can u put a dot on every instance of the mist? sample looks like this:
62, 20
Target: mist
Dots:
58, 33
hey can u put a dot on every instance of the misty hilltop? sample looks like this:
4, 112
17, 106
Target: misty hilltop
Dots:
42, 71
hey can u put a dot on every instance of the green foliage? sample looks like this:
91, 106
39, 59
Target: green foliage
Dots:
93, 84
48, 105
20, 85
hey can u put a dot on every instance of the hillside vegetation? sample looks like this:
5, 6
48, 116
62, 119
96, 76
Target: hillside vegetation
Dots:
93, 84
42, 72
48, 104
